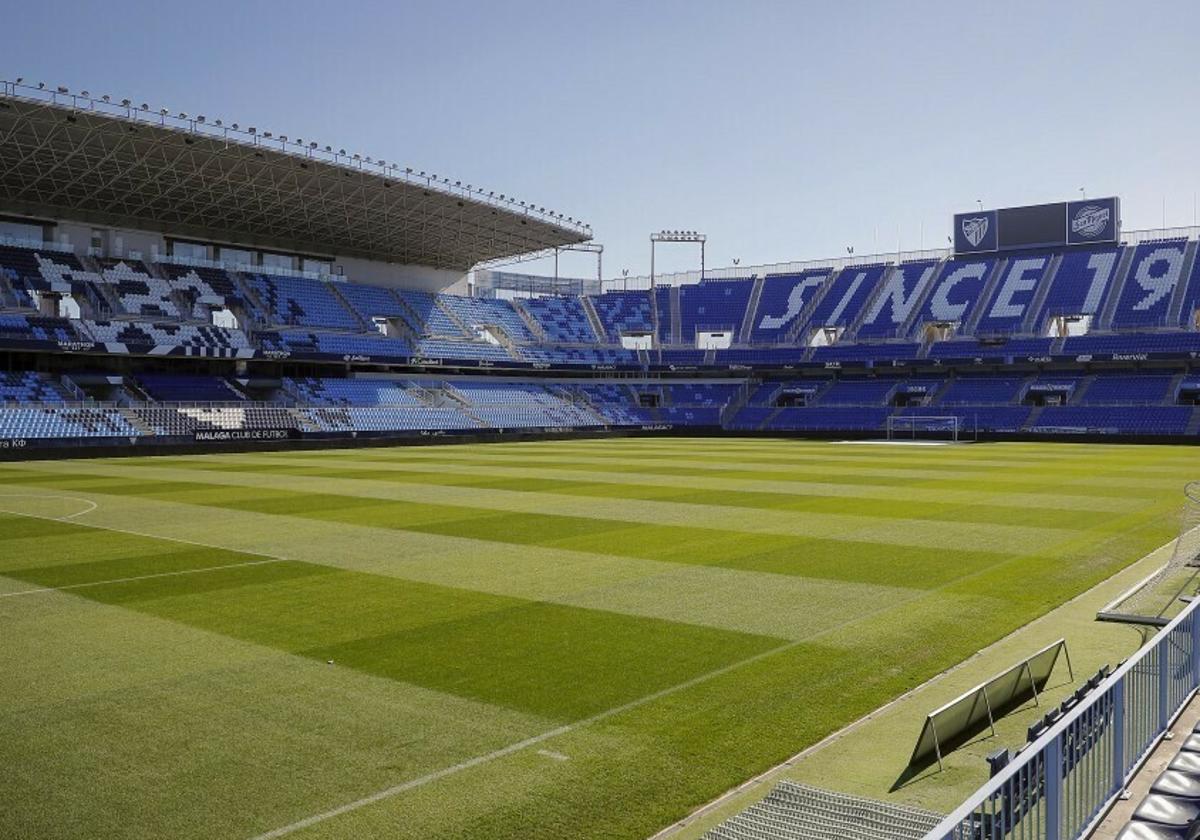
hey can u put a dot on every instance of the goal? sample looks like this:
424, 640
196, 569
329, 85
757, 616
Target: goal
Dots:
923, 427
1156, 599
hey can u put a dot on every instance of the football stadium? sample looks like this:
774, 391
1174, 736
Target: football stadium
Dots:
331, 508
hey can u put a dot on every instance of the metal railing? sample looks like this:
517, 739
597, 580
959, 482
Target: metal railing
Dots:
1060, 786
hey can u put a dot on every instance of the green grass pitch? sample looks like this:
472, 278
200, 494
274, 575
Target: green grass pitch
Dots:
528, 640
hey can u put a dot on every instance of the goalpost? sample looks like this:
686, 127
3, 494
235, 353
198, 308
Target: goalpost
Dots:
923, 426
1154, 600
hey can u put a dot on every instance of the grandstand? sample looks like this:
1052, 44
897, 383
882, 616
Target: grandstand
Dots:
169, 311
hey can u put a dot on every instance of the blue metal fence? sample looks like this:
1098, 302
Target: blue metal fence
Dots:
1061, 784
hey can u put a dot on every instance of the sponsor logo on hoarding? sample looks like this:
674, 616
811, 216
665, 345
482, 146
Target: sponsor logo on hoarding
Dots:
975, 229
217, 435
1091, 221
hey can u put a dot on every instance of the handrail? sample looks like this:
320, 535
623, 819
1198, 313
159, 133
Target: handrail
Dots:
1108, 725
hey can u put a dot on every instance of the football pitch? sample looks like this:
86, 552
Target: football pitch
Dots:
519, 640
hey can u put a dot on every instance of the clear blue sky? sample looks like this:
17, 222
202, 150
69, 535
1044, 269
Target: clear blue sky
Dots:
784, 130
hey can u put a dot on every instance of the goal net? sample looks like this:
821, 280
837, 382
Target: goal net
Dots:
922, 427
1156, 599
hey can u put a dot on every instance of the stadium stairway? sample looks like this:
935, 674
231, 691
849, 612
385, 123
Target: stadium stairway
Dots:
133, 419
743, 336
1193, 426
1085, 382
856, 322
366, 325
453, 316
593, 317
676, 328
1032, 420
531, 323
1175, 310
969, 326
1115, 288
738, 401
1030, 325
910, 323
798, 812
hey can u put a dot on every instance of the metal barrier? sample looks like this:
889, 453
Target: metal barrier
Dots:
1060, 786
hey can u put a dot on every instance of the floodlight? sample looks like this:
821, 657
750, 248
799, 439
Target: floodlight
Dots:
200, 119
62, 89
104, 98
41, 85
182, 115
20, 79
341, 151
267, 134
408, 170
85, 93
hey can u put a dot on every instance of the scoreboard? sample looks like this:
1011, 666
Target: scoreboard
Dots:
1038, 226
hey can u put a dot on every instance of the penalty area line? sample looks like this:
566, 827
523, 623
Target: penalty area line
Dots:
266, 558
177, 573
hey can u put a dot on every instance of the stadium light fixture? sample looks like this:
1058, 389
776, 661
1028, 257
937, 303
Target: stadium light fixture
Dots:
267, 134
41, 85
20, 79
105, 98
62, 89
126, 103
85, 94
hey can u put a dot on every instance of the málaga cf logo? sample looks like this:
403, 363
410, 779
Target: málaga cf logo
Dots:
975, 229
1090, 222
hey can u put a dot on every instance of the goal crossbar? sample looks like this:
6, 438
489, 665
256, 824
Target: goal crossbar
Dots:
911, 425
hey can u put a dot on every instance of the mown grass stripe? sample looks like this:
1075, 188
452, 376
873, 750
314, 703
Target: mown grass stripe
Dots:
947, 535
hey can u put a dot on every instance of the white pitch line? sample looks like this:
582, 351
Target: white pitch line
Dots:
145, 534
395, 790
517, 746
139, 577
267, 558
86, 501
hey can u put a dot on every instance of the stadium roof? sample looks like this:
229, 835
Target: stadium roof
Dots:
72, 156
